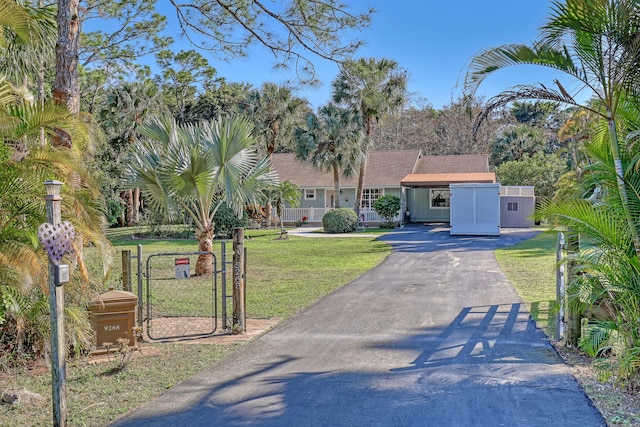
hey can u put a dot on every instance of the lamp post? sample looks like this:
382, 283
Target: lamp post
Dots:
56, 314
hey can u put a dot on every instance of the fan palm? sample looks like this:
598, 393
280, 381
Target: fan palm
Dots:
594, 42
194, 169
372, 88
127, 107
275, 112
331, 141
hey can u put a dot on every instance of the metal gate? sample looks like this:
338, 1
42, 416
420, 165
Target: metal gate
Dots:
173, 302
179, 303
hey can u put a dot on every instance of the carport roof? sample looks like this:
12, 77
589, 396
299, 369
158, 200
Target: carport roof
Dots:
440, 179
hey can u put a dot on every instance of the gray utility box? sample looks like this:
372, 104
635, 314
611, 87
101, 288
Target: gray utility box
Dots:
113, 316
475, 209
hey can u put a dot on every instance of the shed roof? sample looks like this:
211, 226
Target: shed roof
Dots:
440, 179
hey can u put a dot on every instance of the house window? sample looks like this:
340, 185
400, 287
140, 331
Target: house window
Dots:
310, 194
369, 197
440, 198
512, 206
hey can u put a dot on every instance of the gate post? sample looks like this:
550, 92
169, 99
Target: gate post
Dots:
560, 287
239, 324
126, 270
53, 202
572, 313
140, 296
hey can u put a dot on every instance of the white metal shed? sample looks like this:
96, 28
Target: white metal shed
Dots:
475, 209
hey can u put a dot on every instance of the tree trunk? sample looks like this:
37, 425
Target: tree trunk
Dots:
204, 264
361, 173
336, 185
122, 219
622, 189
66, 90
128, 198
269, 205
136, 206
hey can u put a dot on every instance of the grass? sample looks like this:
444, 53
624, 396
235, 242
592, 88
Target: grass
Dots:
283, 276
530, 267
97, 393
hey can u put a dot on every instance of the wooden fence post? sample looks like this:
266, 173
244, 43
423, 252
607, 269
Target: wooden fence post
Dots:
572, 313
560, 287
126, 270
56, 313
239, 325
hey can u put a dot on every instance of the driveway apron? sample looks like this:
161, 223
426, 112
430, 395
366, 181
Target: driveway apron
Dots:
434, 336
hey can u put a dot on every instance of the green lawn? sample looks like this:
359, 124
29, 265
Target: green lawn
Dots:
530, 266
283, 276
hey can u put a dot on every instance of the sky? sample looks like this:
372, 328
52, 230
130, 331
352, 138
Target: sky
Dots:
433, 40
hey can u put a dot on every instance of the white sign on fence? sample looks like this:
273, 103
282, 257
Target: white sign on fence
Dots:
183, 270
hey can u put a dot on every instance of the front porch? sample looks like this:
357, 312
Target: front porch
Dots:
293, 216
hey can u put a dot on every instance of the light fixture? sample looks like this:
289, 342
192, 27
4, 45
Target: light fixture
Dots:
52, 188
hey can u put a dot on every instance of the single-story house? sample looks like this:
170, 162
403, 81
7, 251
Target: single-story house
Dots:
385, 170
422, 183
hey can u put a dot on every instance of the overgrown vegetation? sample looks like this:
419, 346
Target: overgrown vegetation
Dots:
530, 267
594, 44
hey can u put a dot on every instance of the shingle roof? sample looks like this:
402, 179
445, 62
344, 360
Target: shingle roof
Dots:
384, 169
466, 163
389, 169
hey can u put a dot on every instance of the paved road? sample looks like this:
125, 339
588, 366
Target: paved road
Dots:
434, 336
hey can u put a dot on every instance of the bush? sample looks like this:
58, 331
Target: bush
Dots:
226, 220
388, 207
341, 220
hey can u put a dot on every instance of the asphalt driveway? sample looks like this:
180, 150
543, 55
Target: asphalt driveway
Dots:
434, 336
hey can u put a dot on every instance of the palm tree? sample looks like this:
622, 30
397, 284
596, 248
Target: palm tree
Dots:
24, 166
594, 42
275, 112
194, 169
606, 287
127, 107
289, 193
372, 88
331, 141
23, 53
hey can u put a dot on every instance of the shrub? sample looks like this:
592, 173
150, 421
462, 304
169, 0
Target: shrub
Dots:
341, 220
387, 207
226, 220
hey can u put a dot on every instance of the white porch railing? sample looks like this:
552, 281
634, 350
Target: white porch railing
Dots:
294, 215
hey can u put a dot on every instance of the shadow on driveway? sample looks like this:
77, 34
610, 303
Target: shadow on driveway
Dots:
421, 340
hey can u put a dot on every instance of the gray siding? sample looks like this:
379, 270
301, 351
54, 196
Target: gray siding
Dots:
420, 208
519, 218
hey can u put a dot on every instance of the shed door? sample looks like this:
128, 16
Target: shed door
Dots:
475, 210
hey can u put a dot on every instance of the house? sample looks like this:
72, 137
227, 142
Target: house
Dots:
427, 186
385, 170
421, 182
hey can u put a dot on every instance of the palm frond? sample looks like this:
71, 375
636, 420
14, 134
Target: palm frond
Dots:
597, 339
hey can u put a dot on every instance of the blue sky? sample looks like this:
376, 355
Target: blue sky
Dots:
432, 39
